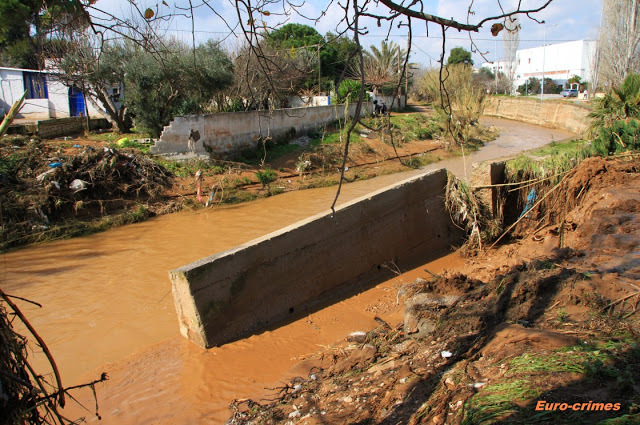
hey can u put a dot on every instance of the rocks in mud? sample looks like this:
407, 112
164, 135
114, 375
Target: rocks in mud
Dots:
359, 337
422, 311
409, 289
359, 358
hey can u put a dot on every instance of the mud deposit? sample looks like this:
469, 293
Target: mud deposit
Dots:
524, 323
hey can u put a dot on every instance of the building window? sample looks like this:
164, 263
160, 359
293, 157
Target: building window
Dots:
518, 61
529, 60
35, 83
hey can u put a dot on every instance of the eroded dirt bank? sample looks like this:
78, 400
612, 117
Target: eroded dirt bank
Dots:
551, 317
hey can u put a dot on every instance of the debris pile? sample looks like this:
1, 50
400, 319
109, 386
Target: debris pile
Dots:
42, 190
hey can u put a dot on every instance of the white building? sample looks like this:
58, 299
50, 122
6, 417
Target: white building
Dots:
47, 97
556, 61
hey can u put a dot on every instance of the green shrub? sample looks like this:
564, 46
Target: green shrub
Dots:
619, 136
349, 90
266, 176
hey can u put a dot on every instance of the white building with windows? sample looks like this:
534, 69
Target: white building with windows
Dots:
556, 61
47, 97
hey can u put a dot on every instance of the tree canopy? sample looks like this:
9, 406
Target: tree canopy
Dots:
26, 27
332, 52
459, 55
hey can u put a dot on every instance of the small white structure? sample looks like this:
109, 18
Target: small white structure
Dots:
556, 61
47, 96
304, 101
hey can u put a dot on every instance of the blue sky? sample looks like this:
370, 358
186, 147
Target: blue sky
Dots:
566, 20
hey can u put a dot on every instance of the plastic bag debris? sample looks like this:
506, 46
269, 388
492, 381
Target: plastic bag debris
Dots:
77, 185
41, 177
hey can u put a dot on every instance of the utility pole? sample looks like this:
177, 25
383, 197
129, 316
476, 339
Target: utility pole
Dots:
544, 50
406, 78
319, 83
495, 61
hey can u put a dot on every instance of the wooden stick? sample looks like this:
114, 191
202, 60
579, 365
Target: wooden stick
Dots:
40, 342
620, 300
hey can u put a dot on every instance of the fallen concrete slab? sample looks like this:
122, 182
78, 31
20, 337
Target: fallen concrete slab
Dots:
241, 291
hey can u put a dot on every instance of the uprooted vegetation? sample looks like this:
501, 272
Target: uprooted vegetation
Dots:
543, 329
29, 395
46, 194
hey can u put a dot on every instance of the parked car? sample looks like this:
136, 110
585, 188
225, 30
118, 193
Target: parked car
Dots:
569, 93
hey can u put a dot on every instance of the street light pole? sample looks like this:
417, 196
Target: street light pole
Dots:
544, 50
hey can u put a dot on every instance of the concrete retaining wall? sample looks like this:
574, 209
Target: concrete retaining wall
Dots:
224, 134
548, 113
67, 126
235, 293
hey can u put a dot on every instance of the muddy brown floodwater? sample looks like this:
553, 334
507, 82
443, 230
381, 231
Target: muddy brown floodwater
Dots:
107, 304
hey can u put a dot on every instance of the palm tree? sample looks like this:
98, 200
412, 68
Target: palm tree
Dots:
620, 104
383, 67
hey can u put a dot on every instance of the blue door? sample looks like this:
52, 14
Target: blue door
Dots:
76, 102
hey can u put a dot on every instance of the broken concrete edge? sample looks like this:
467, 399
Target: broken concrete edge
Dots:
226, 134
203, 304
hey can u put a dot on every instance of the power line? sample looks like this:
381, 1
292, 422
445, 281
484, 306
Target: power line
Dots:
401, 35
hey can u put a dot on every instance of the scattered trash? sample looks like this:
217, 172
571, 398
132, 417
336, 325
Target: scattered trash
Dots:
77, 185
41, 177
56, 184
446, 354
55, 165
199, 179
77, 146
302, 166
531, 199
123, 141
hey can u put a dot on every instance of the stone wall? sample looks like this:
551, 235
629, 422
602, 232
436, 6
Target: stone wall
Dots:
549, 113
247, 289
67, 126
228, 133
